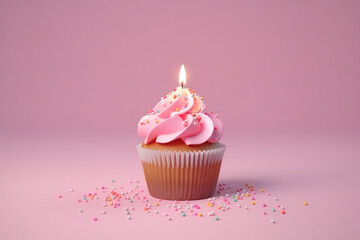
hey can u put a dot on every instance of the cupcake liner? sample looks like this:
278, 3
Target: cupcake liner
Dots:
175, 175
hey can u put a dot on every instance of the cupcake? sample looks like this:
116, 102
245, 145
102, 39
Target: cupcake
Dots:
181, 154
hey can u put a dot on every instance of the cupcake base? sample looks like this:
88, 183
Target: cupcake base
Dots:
175, 175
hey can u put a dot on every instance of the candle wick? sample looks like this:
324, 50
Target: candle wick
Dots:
182, 85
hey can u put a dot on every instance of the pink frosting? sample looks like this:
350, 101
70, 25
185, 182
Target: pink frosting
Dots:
180, 115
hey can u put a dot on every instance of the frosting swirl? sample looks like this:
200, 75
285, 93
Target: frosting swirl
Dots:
180, 115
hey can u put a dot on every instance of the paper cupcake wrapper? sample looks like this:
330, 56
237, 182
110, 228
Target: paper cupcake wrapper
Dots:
177, 175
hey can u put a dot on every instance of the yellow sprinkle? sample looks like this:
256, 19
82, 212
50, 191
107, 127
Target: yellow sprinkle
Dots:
262, 190
109, 199
211, 205
201, 98
156, 121
110, 203
156, 204
200, 214
177, 109
305, 203
208, 203
247, 195
237, 198
252, 203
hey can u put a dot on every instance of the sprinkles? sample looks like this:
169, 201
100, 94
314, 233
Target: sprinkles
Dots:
133, 197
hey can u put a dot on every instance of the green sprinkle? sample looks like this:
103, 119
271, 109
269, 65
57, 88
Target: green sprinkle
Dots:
131, 201
183, 214
235, 200
273, 210
84, 198
216, 218
113, 180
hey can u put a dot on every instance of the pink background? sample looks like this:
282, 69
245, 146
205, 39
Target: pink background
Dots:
76, 76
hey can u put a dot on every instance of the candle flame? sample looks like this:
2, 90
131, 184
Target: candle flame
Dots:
182, 75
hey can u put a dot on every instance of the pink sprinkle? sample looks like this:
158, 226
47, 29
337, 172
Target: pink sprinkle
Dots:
79, 200
253, 192
278, 205
269, 194
95, 218
60, 196
253, 198
264, 213
241, 198
264, 205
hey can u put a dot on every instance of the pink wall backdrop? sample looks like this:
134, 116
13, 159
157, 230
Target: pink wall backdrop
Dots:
76, 77
264, 66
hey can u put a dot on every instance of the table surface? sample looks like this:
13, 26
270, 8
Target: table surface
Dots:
321, 170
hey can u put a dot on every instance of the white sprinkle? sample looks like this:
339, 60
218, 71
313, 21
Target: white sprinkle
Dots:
128, 217
103, 212
80, 210
71, 190
156, 212
169, 218
272, 220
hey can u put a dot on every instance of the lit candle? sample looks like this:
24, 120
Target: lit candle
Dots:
182, 76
